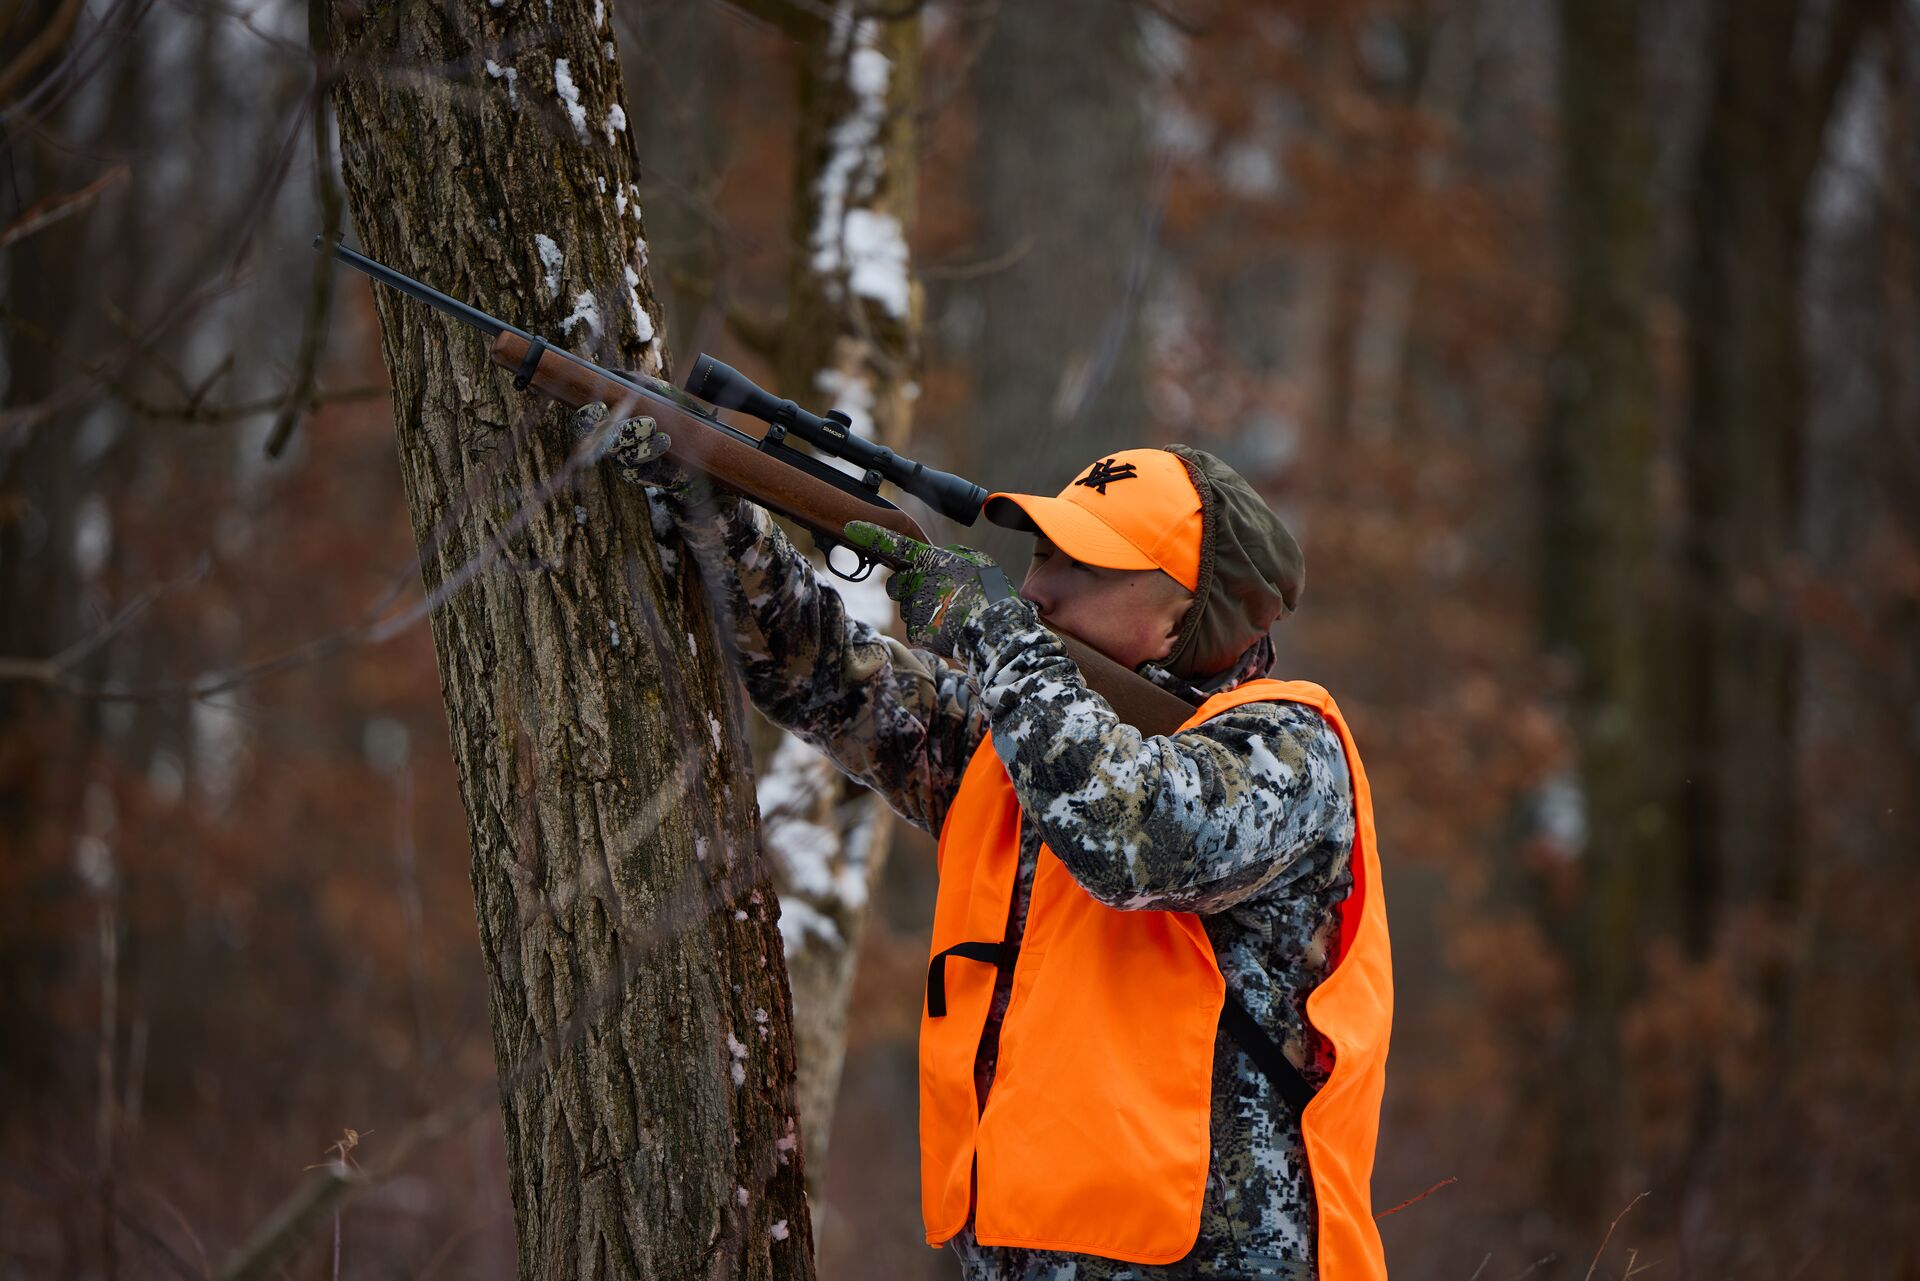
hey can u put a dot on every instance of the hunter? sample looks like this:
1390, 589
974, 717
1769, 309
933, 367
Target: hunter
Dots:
1159, 993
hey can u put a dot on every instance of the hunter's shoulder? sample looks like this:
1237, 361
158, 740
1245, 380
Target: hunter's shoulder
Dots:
1282, 736
1298, 786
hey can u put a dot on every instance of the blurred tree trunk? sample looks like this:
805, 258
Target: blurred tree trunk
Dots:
639, 996
1898, 466
1595, 604
1063, 193
1743, 450
42, 486
850, 341
1898, 461
688, 155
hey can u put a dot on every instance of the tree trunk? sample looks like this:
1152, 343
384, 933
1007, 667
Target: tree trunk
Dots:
638, 990
850, 342
1742, 454
1063, 193
1743, 451
1897, 462
1739, 650
1594, 598
689, 152
43, 485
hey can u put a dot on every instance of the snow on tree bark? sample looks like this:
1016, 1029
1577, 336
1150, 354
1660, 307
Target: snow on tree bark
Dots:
851, 342
638, 989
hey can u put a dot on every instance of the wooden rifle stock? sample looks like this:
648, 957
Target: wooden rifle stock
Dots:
736, 461
701, 444
1134, 699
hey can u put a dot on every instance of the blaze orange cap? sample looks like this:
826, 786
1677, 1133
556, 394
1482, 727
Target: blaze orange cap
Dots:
1136, 509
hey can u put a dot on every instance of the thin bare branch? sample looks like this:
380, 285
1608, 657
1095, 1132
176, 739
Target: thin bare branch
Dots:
1450, 1179
314, 399
40, 48
38, 104
242, 19
189, 409
313, 333
978, 267
45, 212
377, 626
76, 653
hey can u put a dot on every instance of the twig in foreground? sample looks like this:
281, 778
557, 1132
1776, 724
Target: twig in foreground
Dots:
1610, 1227
1423, 1196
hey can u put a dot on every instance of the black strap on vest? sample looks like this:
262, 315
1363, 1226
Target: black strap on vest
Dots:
999, 954
1266, 1054
1261, 1048
529, 363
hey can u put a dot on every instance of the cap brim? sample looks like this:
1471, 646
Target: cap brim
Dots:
1070, 527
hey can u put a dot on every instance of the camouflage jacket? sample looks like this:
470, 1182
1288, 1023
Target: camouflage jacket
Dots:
1246, 820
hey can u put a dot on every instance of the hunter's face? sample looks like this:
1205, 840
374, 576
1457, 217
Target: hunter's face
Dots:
1129, 615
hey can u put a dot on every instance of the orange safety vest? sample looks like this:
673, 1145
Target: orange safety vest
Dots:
1095, 1138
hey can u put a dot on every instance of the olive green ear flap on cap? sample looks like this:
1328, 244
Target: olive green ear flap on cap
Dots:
1251, 570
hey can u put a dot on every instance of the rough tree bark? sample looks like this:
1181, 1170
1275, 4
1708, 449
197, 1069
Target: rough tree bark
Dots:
639, 995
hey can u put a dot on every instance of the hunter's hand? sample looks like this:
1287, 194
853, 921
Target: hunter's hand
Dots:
636, 446
939, 588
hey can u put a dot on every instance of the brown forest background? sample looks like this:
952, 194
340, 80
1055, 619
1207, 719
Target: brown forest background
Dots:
1579, 343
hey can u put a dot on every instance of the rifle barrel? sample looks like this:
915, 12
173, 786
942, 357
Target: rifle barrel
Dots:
489, 325
646, 386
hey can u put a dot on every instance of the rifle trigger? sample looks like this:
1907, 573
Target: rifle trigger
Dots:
862, 571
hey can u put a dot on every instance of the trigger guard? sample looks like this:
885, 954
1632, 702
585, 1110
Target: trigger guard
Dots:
861, 572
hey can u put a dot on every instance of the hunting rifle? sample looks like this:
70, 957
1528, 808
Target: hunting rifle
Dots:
766, 468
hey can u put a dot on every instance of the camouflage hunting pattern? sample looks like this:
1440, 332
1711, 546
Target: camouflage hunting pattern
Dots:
1246, 820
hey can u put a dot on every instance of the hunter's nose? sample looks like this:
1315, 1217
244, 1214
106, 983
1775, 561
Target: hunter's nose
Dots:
1041, 588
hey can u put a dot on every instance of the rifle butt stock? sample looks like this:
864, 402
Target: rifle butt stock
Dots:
1134, 699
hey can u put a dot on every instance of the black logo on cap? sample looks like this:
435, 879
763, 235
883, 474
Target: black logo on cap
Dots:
1104, 473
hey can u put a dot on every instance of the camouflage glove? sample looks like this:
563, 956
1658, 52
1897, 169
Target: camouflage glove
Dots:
636, 446
938, 588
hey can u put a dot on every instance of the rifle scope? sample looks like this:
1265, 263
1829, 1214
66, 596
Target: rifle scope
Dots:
725, 386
